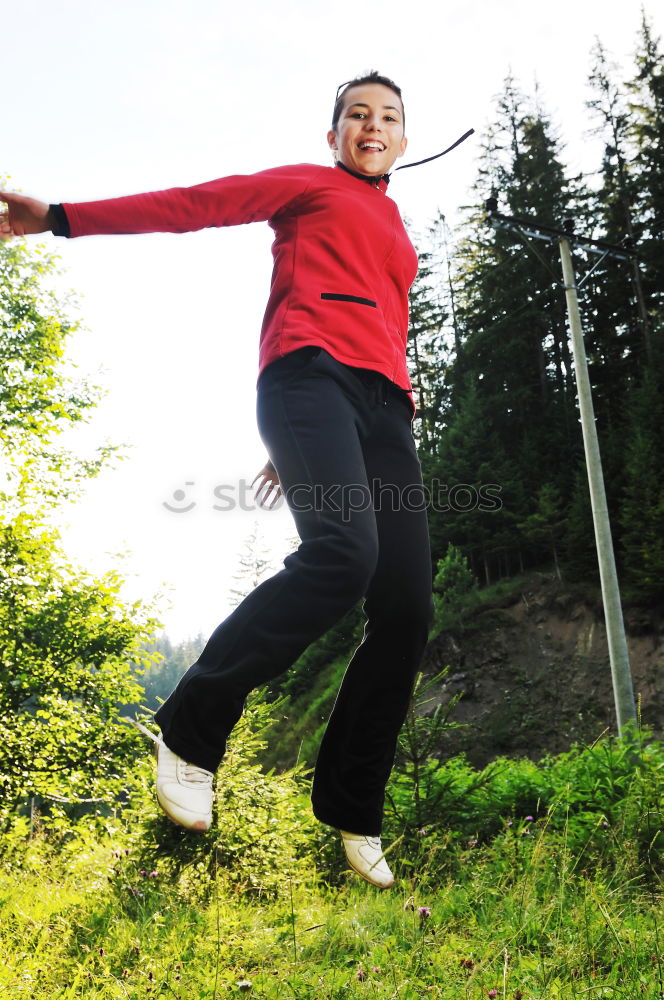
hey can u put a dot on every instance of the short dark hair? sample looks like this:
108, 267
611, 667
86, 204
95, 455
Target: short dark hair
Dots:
373, 76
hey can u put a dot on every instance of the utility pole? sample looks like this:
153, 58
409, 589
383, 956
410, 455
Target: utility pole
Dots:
621, 675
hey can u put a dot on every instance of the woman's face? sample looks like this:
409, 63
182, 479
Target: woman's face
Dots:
369, 135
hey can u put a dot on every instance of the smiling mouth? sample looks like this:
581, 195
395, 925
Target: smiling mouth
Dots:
372, 147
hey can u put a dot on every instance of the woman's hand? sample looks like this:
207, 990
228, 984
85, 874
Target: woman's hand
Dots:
268, 478
23, 216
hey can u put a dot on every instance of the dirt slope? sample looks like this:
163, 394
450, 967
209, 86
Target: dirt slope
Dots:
535, 673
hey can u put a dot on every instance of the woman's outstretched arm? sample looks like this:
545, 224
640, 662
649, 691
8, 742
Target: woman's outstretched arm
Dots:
226, 201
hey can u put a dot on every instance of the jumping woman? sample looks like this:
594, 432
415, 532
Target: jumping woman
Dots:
334, 410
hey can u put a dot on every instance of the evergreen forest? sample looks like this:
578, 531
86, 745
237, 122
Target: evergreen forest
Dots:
489, 346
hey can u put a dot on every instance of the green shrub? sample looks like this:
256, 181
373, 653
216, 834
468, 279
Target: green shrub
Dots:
604, 797
263, 834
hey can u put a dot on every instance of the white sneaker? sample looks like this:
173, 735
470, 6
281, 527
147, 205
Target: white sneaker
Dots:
365, 856
184, 791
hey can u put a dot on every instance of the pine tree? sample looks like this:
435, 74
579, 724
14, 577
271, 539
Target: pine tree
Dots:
162, 675
454, 587
426, 350
578, 536
616, 330
512, 369
544, 525
474, 494
642, 507
646, 106
254, 563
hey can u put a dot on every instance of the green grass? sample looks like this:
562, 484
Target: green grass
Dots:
517, 916
523, 881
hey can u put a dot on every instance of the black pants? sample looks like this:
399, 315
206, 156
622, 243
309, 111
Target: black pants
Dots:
341, 441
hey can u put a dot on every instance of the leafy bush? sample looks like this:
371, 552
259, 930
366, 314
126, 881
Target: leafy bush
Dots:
603, 796
66, 638
68, 643
263, 834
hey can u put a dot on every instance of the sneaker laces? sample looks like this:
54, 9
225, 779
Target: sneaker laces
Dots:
372, 842
193, 775
143, 729
189, 773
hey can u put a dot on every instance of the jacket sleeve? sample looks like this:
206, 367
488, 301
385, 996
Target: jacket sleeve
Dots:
228, 201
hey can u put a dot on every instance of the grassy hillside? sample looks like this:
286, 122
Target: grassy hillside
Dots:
519, 919
517, 881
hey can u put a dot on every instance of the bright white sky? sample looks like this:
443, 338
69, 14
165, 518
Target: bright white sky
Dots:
116, 96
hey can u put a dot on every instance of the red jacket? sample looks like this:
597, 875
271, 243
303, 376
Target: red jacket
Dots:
343, 262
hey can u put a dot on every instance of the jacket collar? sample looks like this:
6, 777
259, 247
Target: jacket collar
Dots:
376, 182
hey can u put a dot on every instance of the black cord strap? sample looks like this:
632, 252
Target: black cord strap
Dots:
429, 158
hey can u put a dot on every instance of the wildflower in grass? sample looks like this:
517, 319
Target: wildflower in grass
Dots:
410, 903
424, 912
153, 874
493, 994
529, 819
361, 973
423, 832
467, 963
376, 970
509, 822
